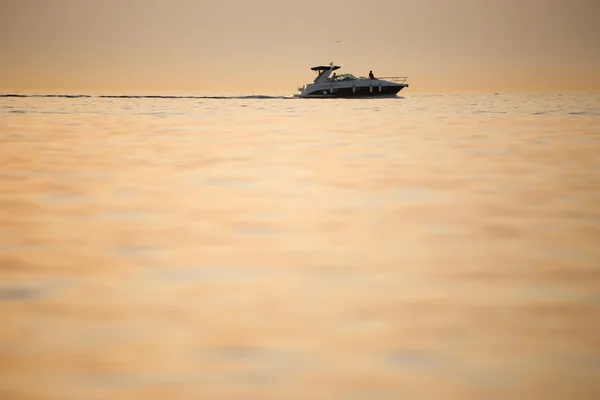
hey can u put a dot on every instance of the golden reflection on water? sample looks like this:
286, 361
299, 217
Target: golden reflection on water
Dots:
427, 247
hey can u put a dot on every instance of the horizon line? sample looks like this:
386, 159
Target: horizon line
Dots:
84, 94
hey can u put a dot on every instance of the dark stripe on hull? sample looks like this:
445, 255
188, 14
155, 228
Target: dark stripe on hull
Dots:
360, 92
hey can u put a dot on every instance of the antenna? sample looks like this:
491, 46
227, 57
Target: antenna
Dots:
330, 54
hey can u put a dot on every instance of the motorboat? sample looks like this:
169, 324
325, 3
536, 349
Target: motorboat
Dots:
328, 84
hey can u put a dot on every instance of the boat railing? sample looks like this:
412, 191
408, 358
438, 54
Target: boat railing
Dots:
395, 79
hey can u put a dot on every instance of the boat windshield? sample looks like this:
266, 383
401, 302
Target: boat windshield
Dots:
345, 77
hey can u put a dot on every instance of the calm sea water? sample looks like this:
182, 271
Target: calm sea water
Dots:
432, 246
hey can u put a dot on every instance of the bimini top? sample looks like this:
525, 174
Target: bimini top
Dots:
325, 68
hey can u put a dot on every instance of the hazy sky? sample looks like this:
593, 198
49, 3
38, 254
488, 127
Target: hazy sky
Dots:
268, 46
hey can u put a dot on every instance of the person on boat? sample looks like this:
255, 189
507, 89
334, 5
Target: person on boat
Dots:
333, 77
371, 76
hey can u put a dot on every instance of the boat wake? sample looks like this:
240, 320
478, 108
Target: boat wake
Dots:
84, 96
